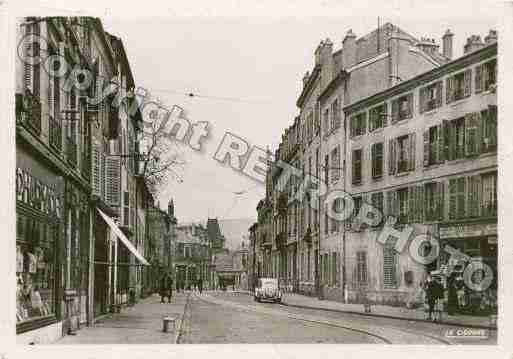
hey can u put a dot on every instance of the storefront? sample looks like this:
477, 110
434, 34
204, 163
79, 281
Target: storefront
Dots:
39, 240
479, 242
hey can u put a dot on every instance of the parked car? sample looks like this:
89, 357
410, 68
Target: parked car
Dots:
267, 289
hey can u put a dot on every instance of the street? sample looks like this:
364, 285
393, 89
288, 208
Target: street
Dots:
215, 317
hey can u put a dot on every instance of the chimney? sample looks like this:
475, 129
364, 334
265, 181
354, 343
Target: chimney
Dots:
349, 49
326, 51
491, 37
318, 51
306, 78
447, 44
474, 43
428, 45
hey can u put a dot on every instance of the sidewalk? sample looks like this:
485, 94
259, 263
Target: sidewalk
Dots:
140, 324
303, 301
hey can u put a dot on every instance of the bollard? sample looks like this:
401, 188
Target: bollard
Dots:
166, 321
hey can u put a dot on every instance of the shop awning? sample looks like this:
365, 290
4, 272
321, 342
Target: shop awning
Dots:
122, 236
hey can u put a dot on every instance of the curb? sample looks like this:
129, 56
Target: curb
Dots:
443, 322
182, 319
476, 326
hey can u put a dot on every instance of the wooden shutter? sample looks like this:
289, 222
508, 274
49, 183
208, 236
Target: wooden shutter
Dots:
461, 186
96, 164
439, 197
467, 79
422, 99
411, 151
440, 150
410, 105
425, 137
395, 110
384, 115
449, 89
439, 93
392, 157
479, 79
113, 177
471, 135
411, 204
453, 196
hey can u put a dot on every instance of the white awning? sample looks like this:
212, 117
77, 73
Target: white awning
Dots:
123, 238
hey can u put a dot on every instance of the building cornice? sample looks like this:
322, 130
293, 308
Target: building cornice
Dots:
424, 78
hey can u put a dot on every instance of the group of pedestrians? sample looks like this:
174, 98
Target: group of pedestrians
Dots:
166, 287
435, 294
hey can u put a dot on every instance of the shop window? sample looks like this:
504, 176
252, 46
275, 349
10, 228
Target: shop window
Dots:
358, 124
35, 269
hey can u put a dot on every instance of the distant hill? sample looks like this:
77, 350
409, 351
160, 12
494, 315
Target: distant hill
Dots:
234, 230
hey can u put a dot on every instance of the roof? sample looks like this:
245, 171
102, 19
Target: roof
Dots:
184, 236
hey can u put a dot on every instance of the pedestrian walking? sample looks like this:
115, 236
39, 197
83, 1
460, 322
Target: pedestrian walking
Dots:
166, 288
434, 293
200, 285
452, 295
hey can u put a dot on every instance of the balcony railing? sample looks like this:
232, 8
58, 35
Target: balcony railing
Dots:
28, 112
55, 130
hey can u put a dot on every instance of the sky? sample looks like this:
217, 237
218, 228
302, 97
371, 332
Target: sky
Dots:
257, 59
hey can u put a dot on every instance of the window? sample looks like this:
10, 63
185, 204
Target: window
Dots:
433, 145
377, 201
361, 267
401, 154
458, 86
377, 160
389, 264
126, 208
32, 72
335, 115
489, 201
358, 201
430, 97
317, 121
326, 220
377, 117
489, 129
35, 268
357, 166
486, 76
457, 198
402, 197
358, 124
402, 108
335, 164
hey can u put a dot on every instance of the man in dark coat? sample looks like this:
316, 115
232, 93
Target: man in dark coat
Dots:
200, 285
433, 291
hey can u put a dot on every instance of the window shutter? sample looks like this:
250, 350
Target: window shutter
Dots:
395, 110
439, 196
439, 93
422, 99
479, 132
410, 105
449, 89
113, 176
384, 115
411, 204
452, 141
420, 204
392, 161
96, 172
440, 143
479, 79
426, 147
452, 199
467, 79
389, 205
411, 151
51, 103
471, 137
461, 183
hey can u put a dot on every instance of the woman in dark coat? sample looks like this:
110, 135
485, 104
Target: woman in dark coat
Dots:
166, 287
